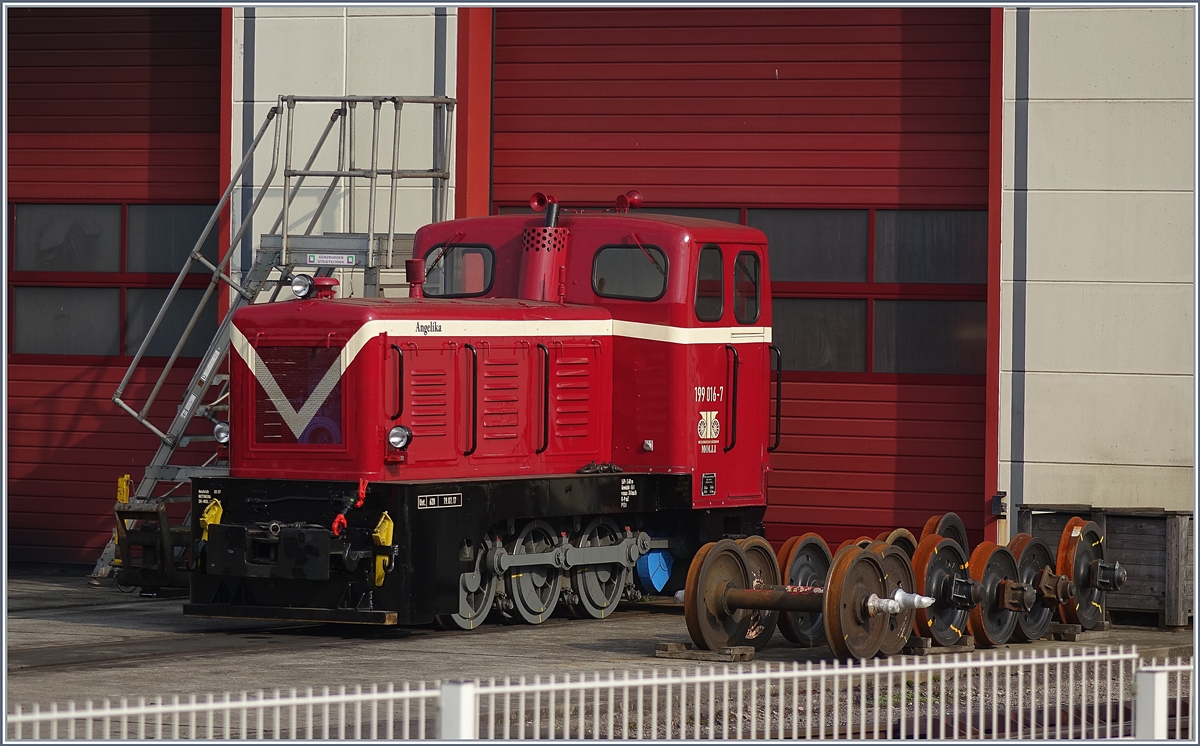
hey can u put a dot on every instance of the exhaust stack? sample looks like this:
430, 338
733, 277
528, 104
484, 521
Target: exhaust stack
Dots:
544, 259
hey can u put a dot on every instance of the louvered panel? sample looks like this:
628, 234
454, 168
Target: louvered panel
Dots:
572, 397
429, 408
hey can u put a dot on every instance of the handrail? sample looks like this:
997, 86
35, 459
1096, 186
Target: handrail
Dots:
399, 383
545, 398
474, 399
212, 221
733, 414
778, 397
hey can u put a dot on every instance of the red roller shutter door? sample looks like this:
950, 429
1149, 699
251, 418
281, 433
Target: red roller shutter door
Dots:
776, 108
105, 106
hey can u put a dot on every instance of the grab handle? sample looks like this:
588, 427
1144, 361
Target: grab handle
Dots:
474, 399
545, 397
778, 396
399, 382
733, 408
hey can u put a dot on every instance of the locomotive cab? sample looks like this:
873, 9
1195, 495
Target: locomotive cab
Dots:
691, 332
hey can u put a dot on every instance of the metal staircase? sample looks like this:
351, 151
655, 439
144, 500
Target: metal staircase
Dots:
142, 518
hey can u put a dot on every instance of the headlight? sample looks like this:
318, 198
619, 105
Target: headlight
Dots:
302, 285
399, 436
221, 432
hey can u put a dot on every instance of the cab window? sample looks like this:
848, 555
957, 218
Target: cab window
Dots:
745, 288
630, 272
458, 271
710, 297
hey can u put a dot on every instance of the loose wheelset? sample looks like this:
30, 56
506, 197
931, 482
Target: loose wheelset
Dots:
1003, 595
897, 576
941, 571
1036, 567
804, 561
1081, 560
764, 572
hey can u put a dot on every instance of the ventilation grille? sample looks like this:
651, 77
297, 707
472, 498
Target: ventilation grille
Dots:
553, 240
298, 396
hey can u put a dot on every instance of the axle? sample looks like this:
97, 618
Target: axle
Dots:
811, 598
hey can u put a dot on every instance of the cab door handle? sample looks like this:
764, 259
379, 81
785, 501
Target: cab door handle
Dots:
474, 399
733, 400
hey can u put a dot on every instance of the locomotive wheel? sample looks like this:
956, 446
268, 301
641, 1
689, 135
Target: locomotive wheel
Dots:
897, 574
849, 629
764, 571
598, 588
476, 592
991, 624
1080, 543
718, 566
948, 526
804, 560
936, 562
534, 590
902, 538
1031, 555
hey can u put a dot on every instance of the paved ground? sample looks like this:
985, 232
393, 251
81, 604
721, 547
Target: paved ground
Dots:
68, 640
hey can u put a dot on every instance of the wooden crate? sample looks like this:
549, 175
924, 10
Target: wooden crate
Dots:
1155, 546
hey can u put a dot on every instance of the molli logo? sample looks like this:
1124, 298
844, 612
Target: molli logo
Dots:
432, 326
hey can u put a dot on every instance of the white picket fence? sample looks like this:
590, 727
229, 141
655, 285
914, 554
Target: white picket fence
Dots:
1043, 695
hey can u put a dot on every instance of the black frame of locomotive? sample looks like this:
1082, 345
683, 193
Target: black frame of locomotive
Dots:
272, 555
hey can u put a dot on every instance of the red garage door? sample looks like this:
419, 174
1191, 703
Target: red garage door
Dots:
857, 139
113, 159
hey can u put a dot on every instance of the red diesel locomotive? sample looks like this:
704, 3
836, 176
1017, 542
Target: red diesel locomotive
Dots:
566, 408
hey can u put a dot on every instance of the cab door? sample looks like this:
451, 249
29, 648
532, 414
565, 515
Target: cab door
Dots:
721, 394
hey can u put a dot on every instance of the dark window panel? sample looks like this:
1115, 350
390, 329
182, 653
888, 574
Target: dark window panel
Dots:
161, 237
821, 334
66, 321
68, 238
142, 305
930, 336
460, 272
633, 272
931, 246
815, 245
710, 276
745, 288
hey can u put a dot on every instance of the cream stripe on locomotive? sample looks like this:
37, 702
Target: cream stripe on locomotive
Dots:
298, 420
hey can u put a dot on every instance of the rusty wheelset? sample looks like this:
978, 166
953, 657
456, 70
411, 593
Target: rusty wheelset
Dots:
872, 594
852, 600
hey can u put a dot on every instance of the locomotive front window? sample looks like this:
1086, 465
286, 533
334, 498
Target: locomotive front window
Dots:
710, 297
630, 272
459, 271
745, 288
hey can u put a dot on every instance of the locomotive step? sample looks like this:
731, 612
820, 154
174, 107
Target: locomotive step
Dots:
688, 652
925, 646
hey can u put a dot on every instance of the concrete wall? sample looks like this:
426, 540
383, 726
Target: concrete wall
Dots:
335, 51
1097, 296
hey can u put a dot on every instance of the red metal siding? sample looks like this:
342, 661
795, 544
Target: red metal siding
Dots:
104, 105
766, 107
861, 458
798, 106
113, 104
